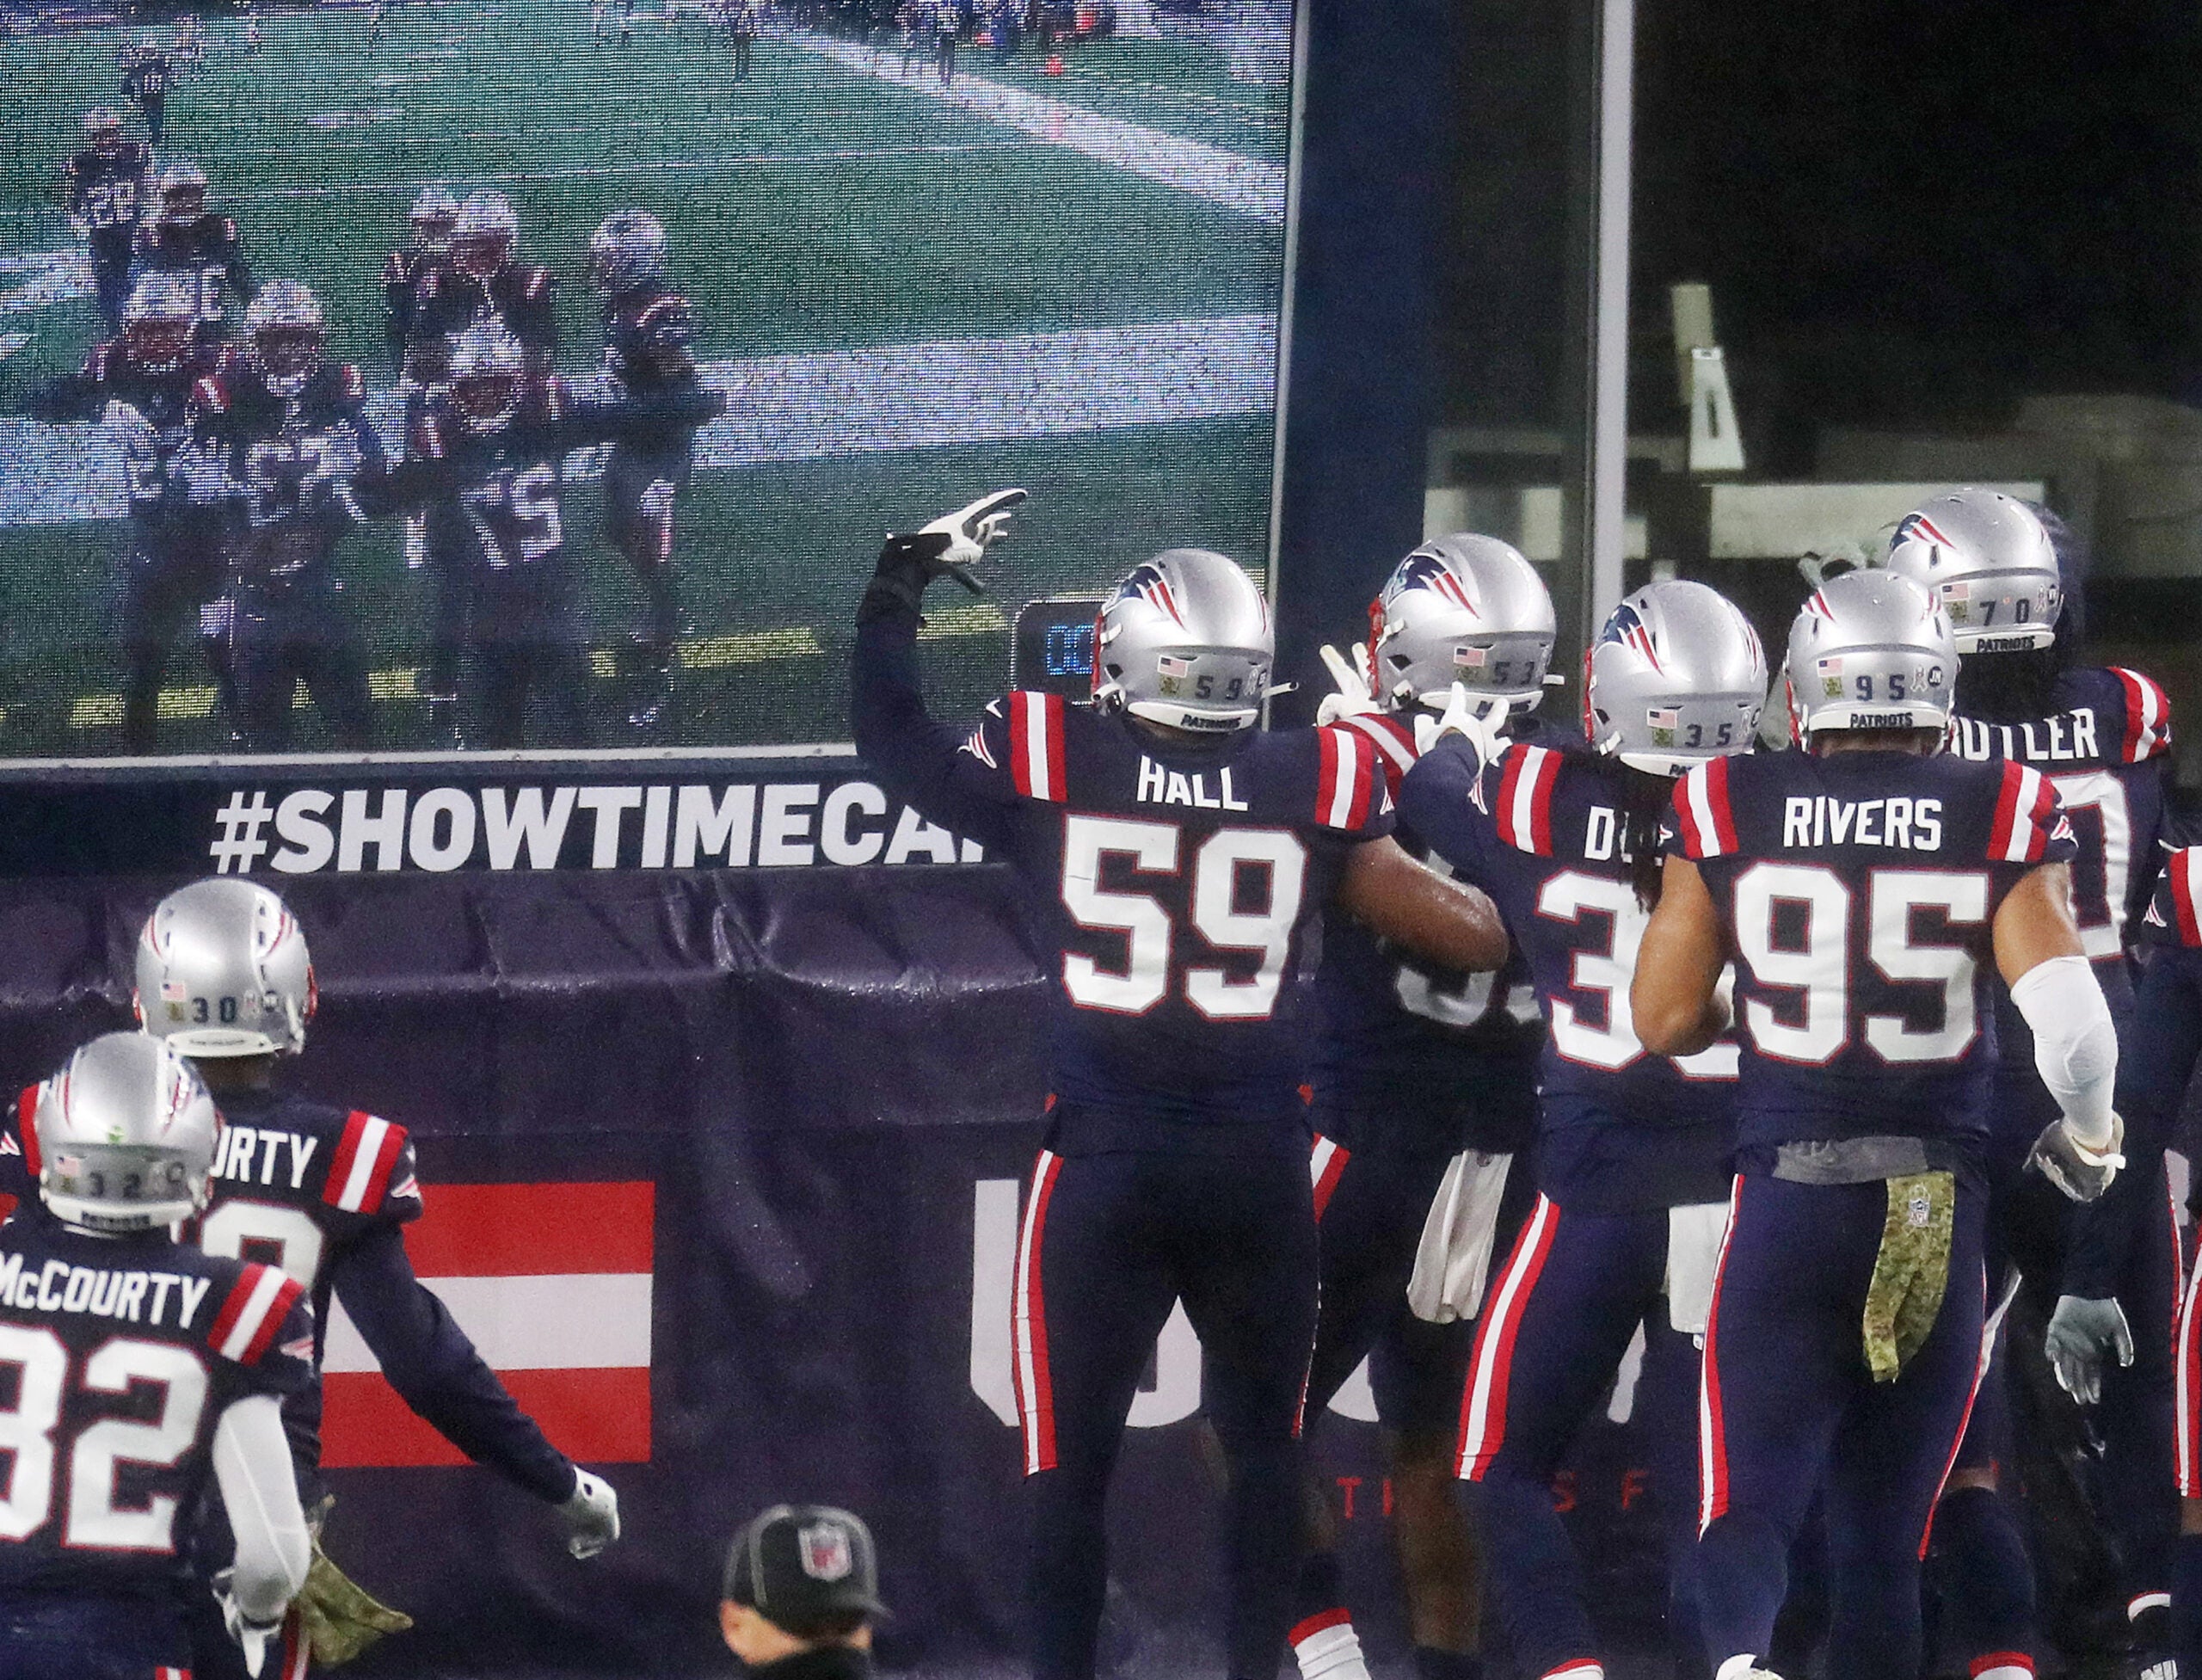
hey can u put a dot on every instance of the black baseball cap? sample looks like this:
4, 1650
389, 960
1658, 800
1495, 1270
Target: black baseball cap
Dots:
798, 1564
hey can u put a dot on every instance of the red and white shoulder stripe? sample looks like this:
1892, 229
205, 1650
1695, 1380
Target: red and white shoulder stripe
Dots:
2183, 875
27, 1131
1350, 784
359, 1172
1036, 760
2025, 810
1706, 812
1526, 778
2147, 717
1393, 740
252, 1313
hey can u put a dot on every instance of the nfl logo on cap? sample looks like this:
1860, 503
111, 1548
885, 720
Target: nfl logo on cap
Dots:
826, 1553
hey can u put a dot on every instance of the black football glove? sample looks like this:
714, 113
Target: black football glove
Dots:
948, 547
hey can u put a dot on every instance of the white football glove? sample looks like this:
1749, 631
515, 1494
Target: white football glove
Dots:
1356, 694
125, 417
2081, 1331
971, 531
2080, 1172
592, 1515
252, 1637
656, 502
1480, 723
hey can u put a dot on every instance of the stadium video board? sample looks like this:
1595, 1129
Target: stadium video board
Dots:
342, 409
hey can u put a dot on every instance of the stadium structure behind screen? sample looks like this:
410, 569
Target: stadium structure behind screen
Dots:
926, 248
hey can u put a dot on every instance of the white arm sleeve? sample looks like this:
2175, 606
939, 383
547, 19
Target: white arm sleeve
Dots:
252, 1463
2075, 1046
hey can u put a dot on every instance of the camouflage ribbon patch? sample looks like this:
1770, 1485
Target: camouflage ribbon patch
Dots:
1910, 1272
341, 1618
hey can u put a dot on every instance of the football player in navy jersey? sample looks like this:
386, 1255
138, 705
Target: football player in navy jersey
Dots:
485, 281
107, 186
148, 76
649, 345
304, 467
138, 384
414, 351
1415, 1069
202, 249
1866, 890
133, 1367
1177, 856
224, 976
2162, 1043
1632, 1151
2109, 1278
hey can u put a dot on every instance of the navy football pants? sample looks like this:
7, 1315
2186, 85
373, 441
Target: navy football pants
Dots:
1110, 1242
1788, 1409
1557, 1322
70, 1636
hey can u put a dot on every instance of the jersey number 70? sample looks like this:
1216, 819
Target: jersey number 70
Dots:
1239, 890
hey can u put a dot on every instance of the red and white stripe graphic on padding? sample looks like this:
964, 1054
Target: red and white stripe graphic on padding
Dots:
251, 1314
1708, 820
1483, 1405
1036, 744
1325, 1167
1393, 740
1035, 1394
1524, 811
359, 1172
2184, 871
2019, 835
1345, 778
2189, 1388
1712, 1428
552, 1285
2147, 717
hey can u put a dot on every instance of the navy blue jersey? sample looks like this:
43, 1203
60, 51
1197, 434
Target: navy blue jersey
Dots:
1174, 885
402, 285
1859, 892
170, 484
521, 296
148, 74
2105, 746
1543, 830
208, 253
649, 339
1447, 1060
107, 192
295, 466
118, 1356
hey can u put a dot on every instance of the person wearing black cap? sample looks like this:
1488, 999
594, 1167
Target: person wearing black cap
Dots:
801, 1587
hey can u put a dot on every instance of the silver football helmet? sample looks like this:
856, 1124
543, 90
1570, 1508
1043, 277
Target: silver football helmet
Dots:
159, 319
125, 1136
1676, 677
223, 970
488, 371
1465, 609
1871, 650
1989, 560
181, 188
433, 213
484, 234
288, 333
628, 249
1186, 640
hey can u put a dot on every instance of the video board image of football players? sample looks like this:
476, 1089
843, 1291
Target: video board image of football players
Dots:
149, 75
1178, 856
139, 1340
2109, 1275
105, 192
305, 468
649, 338
485, 281
1632, 1148
139, 384
1426, 1080
224, 977
417, 351
1868, 888
197, 245
484, 460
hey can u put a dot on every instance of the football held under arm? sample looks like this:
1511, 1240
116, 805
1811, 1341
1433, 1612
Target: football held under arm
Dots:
1440, 920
